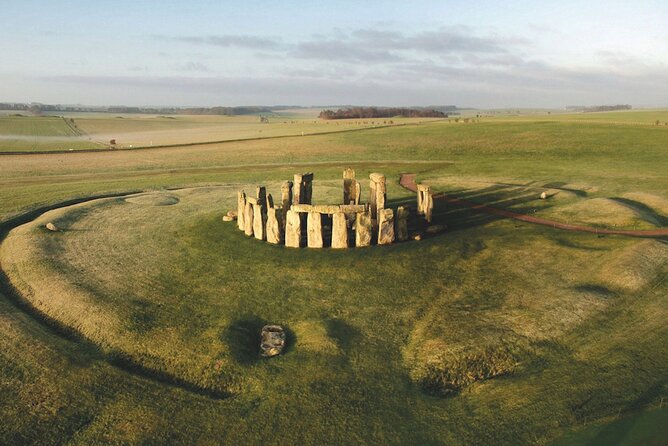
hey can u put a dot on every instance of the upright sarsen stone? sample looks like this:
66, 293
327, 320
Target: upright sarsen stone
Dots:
428, 206
293, 230
351, 187
303, 188
259, 221
248, 219
377, 193
241, 210
314, 230
339, 231
401, 232
385, 226
273, 227
363, 229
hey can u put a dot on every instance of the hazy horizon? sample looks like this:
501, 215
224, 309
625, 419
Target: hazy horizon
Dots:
518, 55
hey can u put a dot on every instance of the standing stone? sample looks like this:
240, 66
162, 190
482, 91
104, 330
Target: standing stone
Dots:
363, 229
261, 195
286, 195
350, 187
303, 188
258, 222
241, 210
314, 230
273, 228
293, 229
377, 193
428, 205
422, 192
270, 201
402, 223
248, 219
339, 231
385, 226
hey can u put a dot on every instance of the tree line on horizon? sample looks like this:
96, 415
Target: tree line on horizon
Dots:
376, 112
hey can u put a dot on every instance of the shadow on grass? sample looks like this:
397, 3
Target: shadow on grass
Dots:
343, 333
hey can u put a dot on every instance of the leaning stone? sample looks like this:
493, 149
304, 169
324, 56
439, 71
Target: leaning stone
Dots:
339, 231
241, 209
363, 229
51, 227
248, 219
314, 230
402, 223
228, 218
273, 228
385, 226
258, 222
293, 230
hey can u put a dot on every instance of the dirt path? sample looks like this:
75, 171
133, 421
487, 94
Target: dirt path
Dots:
408, 182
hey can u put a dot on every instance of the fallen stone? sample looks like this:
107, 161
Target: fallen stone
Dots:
232, 214
416, 237
228, 218
51, 227
543, 195
272, 340
435, 229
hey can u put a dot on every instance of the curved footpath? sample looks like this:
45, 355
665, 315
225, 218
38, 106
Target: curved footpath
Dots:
407, 181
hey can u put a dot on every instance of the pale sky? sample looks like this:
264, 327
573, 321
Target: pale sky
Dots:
206, 53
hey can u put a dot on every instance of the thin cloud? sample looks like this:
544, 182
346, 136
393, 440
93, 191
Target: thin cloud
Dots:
233, 40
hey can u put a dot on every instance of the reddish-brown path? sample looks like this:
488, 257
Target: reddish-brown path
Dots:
408, 181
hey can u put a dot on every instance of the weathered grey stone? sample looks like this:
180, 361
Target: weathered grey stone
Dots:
241, 209
259, 222
303, 188
293, 230
350, 187
314, 230
339, 231
363, 229
273, 227
272, 340
302, 207
385, 226
51, 227
248, 219
402, 223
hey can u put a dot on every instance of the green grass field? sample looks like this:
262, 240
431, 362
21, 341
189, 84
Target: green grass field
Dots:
137, 323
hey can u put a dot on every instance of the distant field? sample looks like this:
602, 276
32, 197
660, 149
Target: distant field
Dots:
629, 117
546, 332
89, 131
29, 133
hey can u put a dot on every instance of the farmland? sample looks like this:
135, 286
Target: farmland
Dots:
136, 322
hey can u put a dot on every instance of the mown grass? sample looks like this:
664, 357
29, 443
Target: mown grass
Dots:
35, 133
573, 342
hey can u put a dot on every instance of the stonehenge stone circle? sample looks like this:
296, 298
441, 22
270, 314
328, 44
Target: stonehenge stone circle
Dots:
371, 223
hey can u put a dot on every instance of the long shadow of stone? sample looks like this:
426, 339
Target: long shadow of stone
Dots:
642, 207
560, 185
